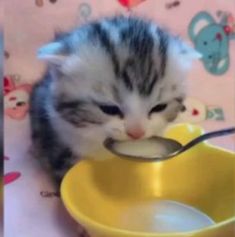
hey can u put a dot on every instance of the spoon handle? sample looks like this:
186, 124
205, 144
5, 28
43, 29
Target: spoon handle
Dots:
207, 136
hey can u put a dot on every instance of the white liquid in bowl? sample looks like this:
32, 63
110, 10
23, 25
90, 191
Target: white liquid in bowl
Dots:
164, 217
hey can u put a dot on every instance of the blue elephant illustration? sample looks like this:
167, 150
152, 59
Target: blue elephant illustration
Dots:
212, 40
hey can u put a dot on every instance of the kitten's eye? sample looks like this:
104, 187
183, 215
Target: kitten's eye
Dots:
158, 108
111, 110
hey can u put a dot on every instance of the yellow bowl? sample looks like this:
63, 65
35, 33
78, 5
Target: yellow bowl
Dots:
97, 193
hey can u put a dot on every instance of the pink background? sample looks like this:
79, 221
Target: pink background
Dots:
27, 27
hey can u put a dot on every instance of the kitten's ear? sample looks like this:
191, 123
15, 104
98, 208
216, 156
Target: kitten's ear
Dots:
189, 52
52, 53
183, 53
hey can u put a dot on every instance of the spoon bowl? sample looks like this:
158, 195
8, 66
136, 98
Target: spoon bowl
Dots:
158, 148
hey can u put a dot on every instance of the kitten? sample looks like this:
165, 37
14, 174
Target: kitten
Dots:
119, 77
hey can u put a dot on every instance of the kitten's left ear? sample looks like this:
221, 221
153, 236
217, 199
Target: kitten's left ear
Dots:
189, 52
183, 54
53, 53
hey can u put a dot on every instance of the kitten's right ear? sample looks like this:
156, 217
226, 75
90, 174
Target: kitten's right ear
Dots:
52, 53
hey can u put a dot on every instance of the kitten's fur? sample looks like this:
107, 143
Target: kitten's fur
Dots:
127, 63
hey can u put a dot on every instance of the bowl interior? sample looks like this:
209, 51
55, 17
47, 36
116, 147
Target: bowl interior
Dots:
203, 177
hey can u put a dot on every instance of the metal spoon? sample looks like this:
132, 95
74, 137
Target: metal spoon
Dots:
164, 148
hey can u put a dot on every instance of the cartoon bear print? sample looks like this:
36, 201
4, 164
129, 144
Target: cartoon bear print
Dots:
212, 40
16, 99
196, 112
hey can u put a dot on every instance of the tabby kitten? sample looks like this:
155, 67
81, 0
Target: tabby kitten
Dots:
119, 77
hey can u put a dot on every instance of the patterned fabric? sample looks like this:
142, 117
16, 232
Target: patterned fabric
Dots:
33, 207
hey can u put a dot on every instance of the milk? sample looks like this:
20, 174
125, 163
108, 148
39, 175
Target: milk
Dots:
141, 148
163, 217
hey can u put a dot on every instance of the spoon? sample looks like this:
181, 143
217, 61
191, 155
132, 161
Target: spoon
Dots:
158, 148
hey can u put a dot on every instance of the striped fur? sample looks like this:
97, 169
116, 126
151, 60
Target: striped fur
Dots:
104, 79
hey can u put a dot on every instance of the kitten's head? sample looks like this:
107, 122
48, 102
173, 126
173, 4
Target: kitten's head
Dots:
123, 77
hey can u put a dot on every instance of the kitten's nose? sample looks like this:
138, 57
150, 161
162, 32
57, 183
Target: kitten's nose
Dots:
135, 133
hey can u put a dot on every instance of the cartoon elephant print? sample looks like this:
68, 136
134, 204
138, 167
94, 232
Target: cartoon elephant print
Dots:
212, 40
